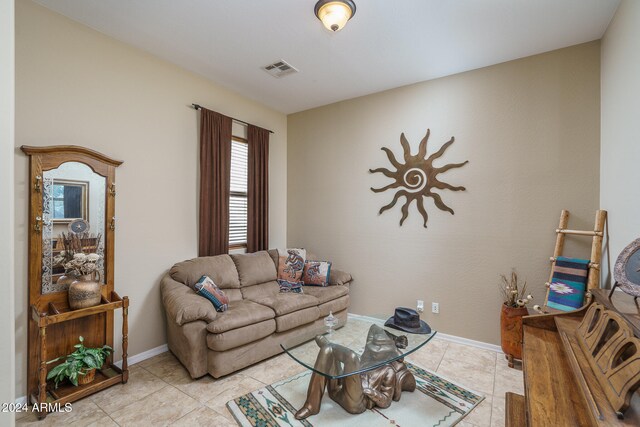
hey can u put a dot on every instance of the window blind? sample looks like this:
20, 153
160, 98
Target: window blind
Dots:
238, 197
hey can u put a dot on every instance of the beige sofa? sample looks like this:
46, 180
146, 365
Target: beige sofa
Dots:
259, 317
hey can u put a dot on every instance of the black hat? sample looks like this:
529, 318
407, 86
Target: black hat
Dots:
408, 320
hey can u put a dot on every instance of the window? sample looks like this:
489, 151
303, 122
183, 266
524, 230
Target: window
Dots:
238, 194
69, 200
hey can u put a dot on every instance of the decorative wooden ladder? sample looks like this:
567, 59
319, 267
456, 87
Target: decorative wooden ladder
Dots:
593, 279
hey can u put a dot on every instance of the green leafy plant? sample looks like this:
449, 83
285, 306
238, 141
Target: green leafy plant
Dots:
83, 359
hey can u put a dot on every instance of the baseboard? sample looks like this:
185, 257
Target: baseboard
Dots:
132, 360
137, 358
469, 342
450, 338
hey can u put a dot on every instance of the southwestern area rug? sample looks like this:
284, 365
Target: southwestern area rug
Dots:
436, 402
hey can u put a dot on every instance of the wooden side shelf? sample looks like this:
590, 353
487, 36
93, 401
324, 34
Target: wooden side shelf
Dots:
67, 393
55, 314
109, 375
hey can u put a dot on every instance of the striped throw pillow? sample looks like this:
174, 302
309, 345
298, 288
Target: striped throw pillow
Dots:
206, 288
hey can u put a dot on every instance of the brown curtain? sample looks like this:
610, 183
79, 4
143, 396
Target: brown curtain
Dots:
215, 172
258, 192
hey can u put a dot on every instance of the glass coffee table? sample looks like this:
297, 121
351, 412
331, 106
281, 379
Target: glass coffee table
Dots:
361, 364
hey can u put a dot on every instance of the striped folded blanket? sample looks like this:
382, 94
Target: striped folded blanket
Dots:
568, 284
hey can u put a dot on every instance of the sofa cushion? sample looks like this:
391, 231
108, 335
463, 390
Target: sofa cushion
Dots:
288, 303
327, 293
254, 268
220, 268
273, 253
241, 336
183, 305
257, 292
240, 313
339, 277
297, 318
233, 294
335, 306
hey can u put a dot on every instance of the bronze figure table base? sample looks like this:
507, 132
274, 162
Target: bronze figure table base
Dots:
359, 392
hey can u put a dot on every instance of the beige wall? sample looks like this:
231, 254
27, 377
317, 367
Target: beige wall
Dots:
77, 86
7, 347
620, 143
530, 129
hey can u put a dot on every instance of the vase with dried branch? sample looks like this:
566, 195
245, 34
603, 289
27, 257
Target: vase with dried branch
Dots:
514, 307
80, 262
78, 256
513, 291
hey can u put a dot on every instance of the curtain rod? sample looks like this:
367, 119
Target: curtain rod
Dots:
198, 107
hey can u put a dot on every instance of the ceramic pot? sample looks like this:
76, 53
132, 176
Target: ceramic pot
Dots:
88, 377
511, 331
65, 280
84, 292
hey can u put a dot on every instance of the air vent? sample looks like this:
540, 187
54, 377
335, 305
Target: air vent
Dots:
280, 69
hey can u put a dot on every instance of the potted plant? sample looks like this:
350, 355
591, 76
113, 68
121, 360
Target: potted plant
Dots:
514, 306
79, 366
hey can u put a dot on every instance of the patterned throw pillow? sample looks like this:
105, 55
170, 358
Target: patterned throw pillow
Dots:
316, 273
290, 287
206, 288
290, 268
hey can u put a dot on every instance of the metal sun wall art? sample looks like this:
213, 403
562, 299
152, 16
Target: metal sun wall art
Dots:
417, 177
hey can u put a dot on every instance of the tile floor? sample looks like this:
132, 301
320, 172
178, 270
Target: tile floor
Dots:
160, 392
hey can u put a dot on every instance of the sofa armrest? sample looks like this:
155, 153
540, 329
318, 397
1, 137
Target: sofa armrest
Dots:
183, 305
339, 277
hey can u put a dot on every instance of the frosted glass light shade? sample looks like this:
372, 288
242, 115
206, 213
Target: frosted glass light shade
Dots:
335, 14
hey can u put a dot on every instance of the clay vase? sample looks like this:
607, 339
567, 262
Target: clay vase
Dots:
84, 292
65, 280
511, 331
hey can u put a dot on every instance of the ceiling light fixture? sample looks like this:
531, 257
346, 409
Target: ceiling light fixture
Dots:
334, 14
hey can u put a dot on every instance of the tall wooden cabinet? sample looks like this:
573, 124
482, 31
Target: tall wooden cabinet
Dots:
53, 327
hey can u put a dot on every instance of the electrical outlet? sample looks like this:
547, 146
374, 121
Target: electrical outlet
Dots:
420, 306
435, 307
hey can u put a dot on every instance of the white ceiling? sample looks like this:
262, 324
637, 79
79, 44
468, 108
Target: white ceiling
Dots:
388, 43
